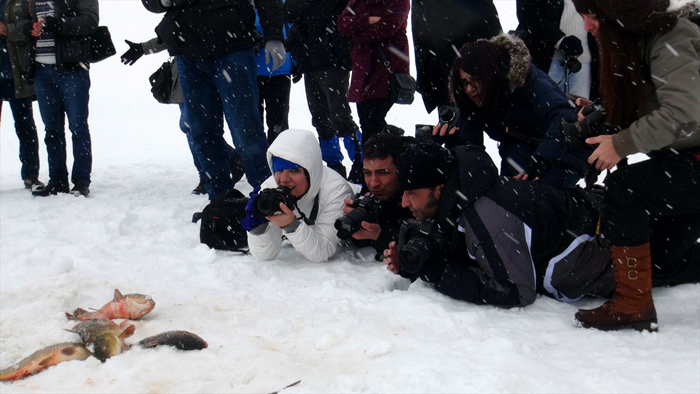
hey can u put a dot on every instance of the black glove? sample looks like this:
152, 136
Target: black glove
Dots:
133, 54
571, 46
52, 25
536, 166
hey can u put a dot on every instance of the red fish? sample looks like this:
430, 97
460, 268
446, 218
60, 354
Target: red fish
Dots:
44, 358
130, 306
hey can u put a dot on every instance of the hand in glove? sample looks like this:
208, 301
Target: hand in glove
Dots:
250, 221
133, 54
275, 50
52, 25
571, 46
536, 166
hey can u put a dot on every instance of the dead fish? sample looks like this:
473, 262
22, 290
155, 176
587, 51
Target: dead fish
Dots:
182, 340
105, 336
130, 306
44, 358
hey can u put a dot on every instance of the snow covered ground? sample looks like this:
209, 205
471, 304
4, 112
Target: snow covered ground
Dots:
347, 325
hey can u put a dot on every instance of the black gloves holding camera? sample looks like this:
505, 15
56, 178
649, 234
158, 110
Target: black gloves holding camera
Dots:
571, 46
52, 25
133, 54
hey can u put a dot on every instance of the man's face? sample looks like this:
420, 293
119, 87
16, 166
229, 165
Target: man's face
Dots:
422, 202
380, 177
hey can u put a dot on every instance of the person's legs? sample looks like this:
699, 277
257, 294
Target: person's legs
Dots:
278, 89
75, 92
235, 77
663, 186
372, 114
25, 127
52, 114
320, 119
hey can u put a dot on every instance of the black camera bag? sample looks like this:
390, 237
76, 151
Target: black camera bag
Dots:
221, 222
162, 82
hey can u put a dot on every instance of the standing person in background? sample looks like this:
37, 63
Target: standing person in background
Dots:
218, 78
19, 93
378, 32
650, 68
274, 88
553, 32
62, 87
136, 50
440, 28
322, 55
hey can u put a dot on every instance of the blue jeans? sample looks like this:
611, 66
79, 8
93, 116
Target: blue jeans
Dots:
61, 94
224, 87
25, 127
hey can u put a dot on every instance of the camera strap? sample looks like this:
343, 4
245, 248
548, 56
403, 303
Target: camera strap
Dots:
314, 212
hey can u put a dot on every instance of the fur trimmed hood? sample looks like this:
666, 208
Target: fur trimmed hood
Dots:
684, 8
519, 58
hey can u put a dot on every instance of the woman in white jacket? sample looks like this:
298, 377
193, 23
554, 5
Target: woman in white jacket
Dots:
295, 160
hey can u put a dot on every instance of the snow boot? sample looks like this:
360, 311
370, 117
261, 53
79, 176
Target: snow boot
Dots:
331, 154
631, 305
353, 144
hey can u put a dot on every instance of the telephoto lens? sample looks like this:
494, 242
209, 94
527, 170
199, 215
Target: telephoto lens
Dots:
267, 203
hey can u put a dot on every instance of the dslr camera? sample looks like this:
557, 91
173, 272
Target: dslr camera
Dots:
572, 64
417, 242
366, 210
594, 125
447, 116
268, 201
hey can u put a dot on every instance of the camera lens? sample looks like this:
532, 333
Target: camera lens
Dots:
267, 204
415, 253
446, 114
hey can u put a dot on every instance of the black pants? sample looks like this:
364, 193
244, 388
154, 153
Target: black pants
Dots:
372, 114
327, 96
273, 97
657, 201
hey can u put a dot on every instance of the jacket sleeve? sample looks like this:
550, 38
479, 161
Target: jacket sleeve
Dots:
266, 245
151, 46
674, 61
531, 16
319, 242
357, 25
23, 23
295, 10
271, 18
85, 21
505, 275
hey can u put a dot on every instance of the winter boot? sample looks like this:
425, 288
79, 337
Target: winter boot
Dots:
331, 154
353, 145
631, 305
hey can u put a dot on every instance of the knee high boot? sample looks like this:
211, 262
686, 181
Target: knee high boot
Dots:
631, 305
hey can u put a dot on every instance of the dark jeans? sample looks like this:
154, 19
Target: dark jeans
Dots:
327, 97
61, 94
25, 128
224, 87
372, 114
273, 97
655, 201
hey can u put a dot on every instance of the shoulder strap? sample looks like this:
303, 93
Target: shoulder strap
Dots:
314, 212
384, 59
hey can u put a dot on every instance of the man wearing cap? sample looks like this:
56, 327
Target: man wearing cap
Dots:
295, 160
381, 153
503, 241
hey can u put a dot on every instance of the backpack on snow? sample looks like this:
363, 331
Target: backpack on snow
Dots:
221, 222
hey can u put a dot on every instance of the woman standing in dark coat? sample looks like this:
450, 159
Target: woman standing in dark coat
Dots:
378, 32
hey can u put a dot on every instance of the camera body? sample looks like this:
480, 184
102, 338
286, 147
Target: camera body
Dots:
448, 116
267, 202
593, 125
418, 241
366, 210
572, 64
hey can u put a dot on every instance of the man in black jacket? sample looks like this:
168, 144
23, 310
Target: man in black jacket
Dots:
213, 41
323, 57
495, 240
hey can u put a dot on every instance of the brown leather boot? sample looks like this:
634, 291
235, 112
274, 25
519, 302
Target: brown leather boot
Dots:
631, 305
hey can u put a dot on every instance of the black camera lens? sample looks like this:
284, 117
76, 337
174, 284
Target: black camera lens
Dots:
366, 208
267, 203
415, 253
572, 64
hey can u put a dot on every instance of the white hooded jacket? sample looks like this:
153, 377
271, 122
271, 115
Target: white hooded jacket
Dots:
319, 241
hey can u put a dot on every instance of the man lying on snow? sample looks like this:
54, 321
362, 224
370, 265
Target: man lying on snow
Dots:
300, 182
487, 239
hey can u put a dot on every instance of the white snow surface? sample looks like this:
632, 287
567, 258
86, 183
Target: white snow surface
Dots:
347, 325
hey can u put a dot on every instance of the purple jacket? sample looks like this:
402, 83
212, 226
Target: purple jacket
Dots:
370, 78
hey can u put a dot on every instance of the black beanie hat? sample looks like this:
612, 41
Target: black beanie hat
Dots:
638, 16
423, 164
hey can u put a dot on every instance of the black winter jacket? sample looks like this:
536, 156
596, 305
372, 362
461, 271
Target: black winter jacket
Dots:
200, 29
522, 239
313, 40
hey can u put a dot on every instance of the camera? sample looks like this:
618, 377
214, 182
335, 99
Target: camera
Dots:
268, 201
417, 242
448, 115
366, 210
572, 64
593, 125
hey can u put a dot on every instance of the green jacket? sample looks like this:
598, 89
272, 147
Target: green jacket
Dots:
670, 118
17, 46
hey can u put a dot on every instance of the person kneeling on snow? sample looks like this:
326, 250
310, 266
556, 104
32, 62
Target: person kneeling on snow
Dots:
300, 183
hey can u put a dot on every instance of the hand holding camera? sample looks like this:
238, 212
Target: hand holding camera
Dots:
447, 125
273, 205
365, 209
592, 123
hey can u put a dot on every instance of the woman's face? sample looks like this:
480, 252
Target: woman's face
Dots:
591, 24
471, 87
294, 179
